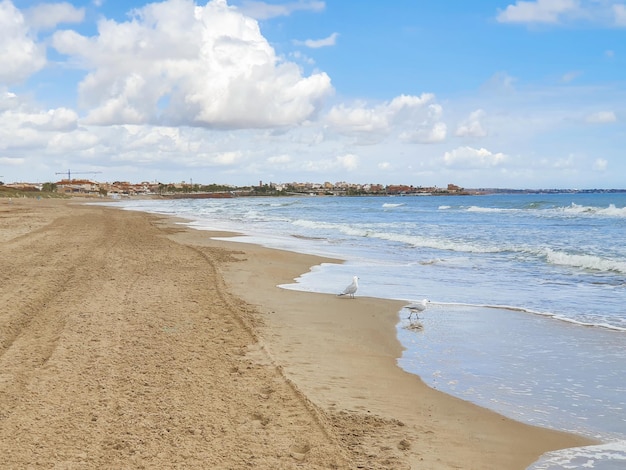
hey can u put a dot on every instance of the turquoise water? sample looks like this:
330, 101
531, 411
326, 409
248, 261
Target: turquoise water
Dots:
528, 293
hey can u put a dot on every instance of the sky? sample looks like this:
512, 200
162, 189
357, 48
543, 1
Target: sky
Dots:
496, 93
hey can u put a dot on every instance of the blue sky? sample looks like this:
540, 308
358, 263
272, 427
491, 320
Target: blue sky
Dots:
520, 94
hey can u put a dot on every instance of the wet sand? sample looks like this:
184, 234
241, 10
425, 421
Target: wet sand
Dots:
127, 341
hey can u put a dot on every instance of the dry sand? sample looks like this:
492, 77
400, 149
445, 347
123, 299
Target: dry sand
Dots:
129, 342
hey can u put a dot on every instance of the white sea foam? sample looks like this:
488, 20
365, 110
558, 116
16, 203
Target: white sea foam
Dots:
572, 210
610, 211
388, 205
553, 315
584, 261
412, 240
551, 256
607, 456
613, 211
490, 209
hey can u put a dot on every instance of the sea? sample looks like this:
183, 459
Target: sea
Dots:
527, 312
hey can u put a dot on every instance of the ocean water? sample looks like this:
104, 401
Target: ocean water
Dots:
528, 293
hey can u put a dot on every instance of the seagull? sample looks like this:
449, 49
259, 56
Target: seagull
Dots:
416, 308
351, 289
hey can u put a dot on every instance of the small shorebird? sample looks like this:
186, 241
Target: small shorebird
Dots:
351, 289
416, 308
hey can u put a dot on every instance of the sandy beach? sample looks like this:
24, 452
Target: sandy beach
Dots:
130, 341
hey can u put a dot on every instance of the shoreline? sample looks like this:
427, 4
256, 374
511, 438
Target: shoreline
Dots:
374, 383
332, 361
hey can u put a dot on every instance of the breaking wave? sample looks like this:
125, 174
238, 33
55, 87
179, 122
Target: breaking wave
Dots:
590, 262
572, 210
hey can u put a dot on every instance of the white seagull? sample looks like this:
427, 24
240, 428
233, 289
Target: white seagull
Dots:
416, 308
351, 289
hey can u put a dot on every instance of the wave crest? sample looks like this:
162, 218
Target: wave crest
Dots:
591, 262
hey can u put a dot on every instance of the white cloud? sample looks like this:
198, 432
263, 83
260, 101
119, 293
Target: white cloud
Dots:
430, 130
348, 162
49, 15
317, 43
24, 127
619, 11
60, 119
408, 102
426, 134
468, 157
360, 118
472, 127
404, 111
604, 12
75, 142
263, 10
179, 64
602, 117
20, 54
227, 158
158, 139
539, 11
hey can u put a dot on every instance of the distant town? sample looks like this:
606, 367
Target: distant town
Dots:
124, 189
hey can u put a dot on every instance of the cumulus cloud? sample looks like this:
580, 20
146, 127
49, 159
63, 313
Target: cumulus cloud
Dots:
180, 64
22, 123
158, 139
24, 126
472, 126
602, 117
429, 130
75, 142
263, 10
426, 134
358, 118
348, 162
59, 119
539, 11
20, 54
227, 158
49, 15
468, 157
317, 43
404, 111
